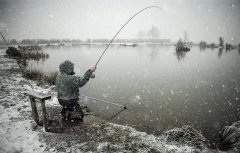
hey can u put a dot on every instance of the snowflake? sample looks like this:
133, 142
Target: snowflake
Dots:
51, 16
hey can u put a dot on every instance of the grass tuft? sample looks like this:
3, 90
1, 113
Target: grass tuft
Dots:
36, 55
40, 77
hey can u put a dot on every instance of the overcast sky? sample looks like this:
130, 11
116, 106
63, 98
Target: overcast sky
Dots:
81, 19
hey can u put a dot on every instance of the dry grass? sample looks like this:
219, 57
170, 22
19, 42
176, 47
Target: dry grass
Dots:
34, 55
27, 52
50, 78
36, 75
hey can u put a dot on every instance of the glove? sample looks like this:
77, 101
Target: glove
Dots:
93, 69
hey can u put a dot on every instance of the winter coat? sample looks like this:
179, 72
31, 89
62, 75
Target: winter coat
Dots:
67, 84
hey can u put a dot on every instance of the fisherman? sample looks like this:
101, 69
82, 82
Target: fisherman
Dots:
68, 90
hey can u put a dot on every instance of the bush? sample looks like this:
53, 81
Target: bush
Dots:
14, 52
27, 52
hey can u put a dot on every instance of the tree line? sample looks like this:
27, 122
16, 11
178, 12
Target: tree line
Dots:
40, 41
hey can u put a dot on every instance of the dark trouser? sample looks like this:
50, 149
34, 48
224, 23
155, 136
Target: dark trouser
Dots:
71, 109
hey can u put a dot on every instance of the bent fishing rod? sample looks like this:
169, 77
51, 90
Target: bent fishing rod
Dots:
149, 7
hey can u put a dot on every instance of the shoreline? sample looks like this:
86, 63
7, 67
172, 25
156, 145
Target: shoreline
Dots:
20, 133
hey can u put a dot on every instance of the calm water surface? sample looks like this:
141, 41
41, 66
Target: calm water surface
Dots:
162, 89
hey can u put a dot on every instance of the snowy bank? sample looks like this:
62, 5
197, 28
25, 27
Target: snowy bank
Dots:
17, 133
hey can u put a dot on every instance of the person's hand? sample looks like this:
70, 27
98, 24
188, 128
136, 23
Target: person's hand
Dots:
93, 68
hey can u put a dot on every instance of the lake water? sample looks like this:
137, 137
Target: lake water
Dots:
161, 88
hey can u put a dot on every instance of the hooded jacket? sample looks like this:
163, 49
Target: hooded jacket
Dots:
67, 84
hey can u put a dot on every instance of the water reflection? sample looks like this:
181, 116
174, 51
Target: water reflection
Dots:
202, 48
228, 50
154, 53
180, 55
220, 52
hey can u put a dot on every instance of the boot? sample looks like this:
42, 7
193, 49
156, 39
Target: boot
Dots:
77, 114
69, 115
63, 113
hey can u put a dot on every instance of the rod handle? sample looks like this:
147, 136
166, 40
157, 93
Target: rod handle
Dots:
93, 76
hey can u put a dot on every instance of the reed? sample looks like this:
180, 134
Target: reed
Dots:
30, 48
50, 78
36, 55
41, 78
27, 52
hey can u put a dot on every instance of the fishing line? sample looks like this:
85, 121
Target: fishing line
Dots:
124, 107
116, 114
112, 103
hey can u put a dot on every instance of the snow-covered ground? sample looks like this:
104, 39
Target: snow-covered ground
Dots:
19, 133
16, 132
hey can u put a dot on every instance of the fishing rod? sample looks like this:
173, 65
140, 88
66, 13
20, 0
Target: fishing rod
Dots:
123, 27
4, 39
16, 60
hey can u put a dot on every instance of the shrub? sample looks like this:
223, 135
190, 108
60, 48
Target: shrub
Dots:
27, 52
14, 52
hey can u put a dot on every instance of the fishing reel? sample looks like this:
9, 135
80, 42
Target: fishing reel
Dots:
93, 76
